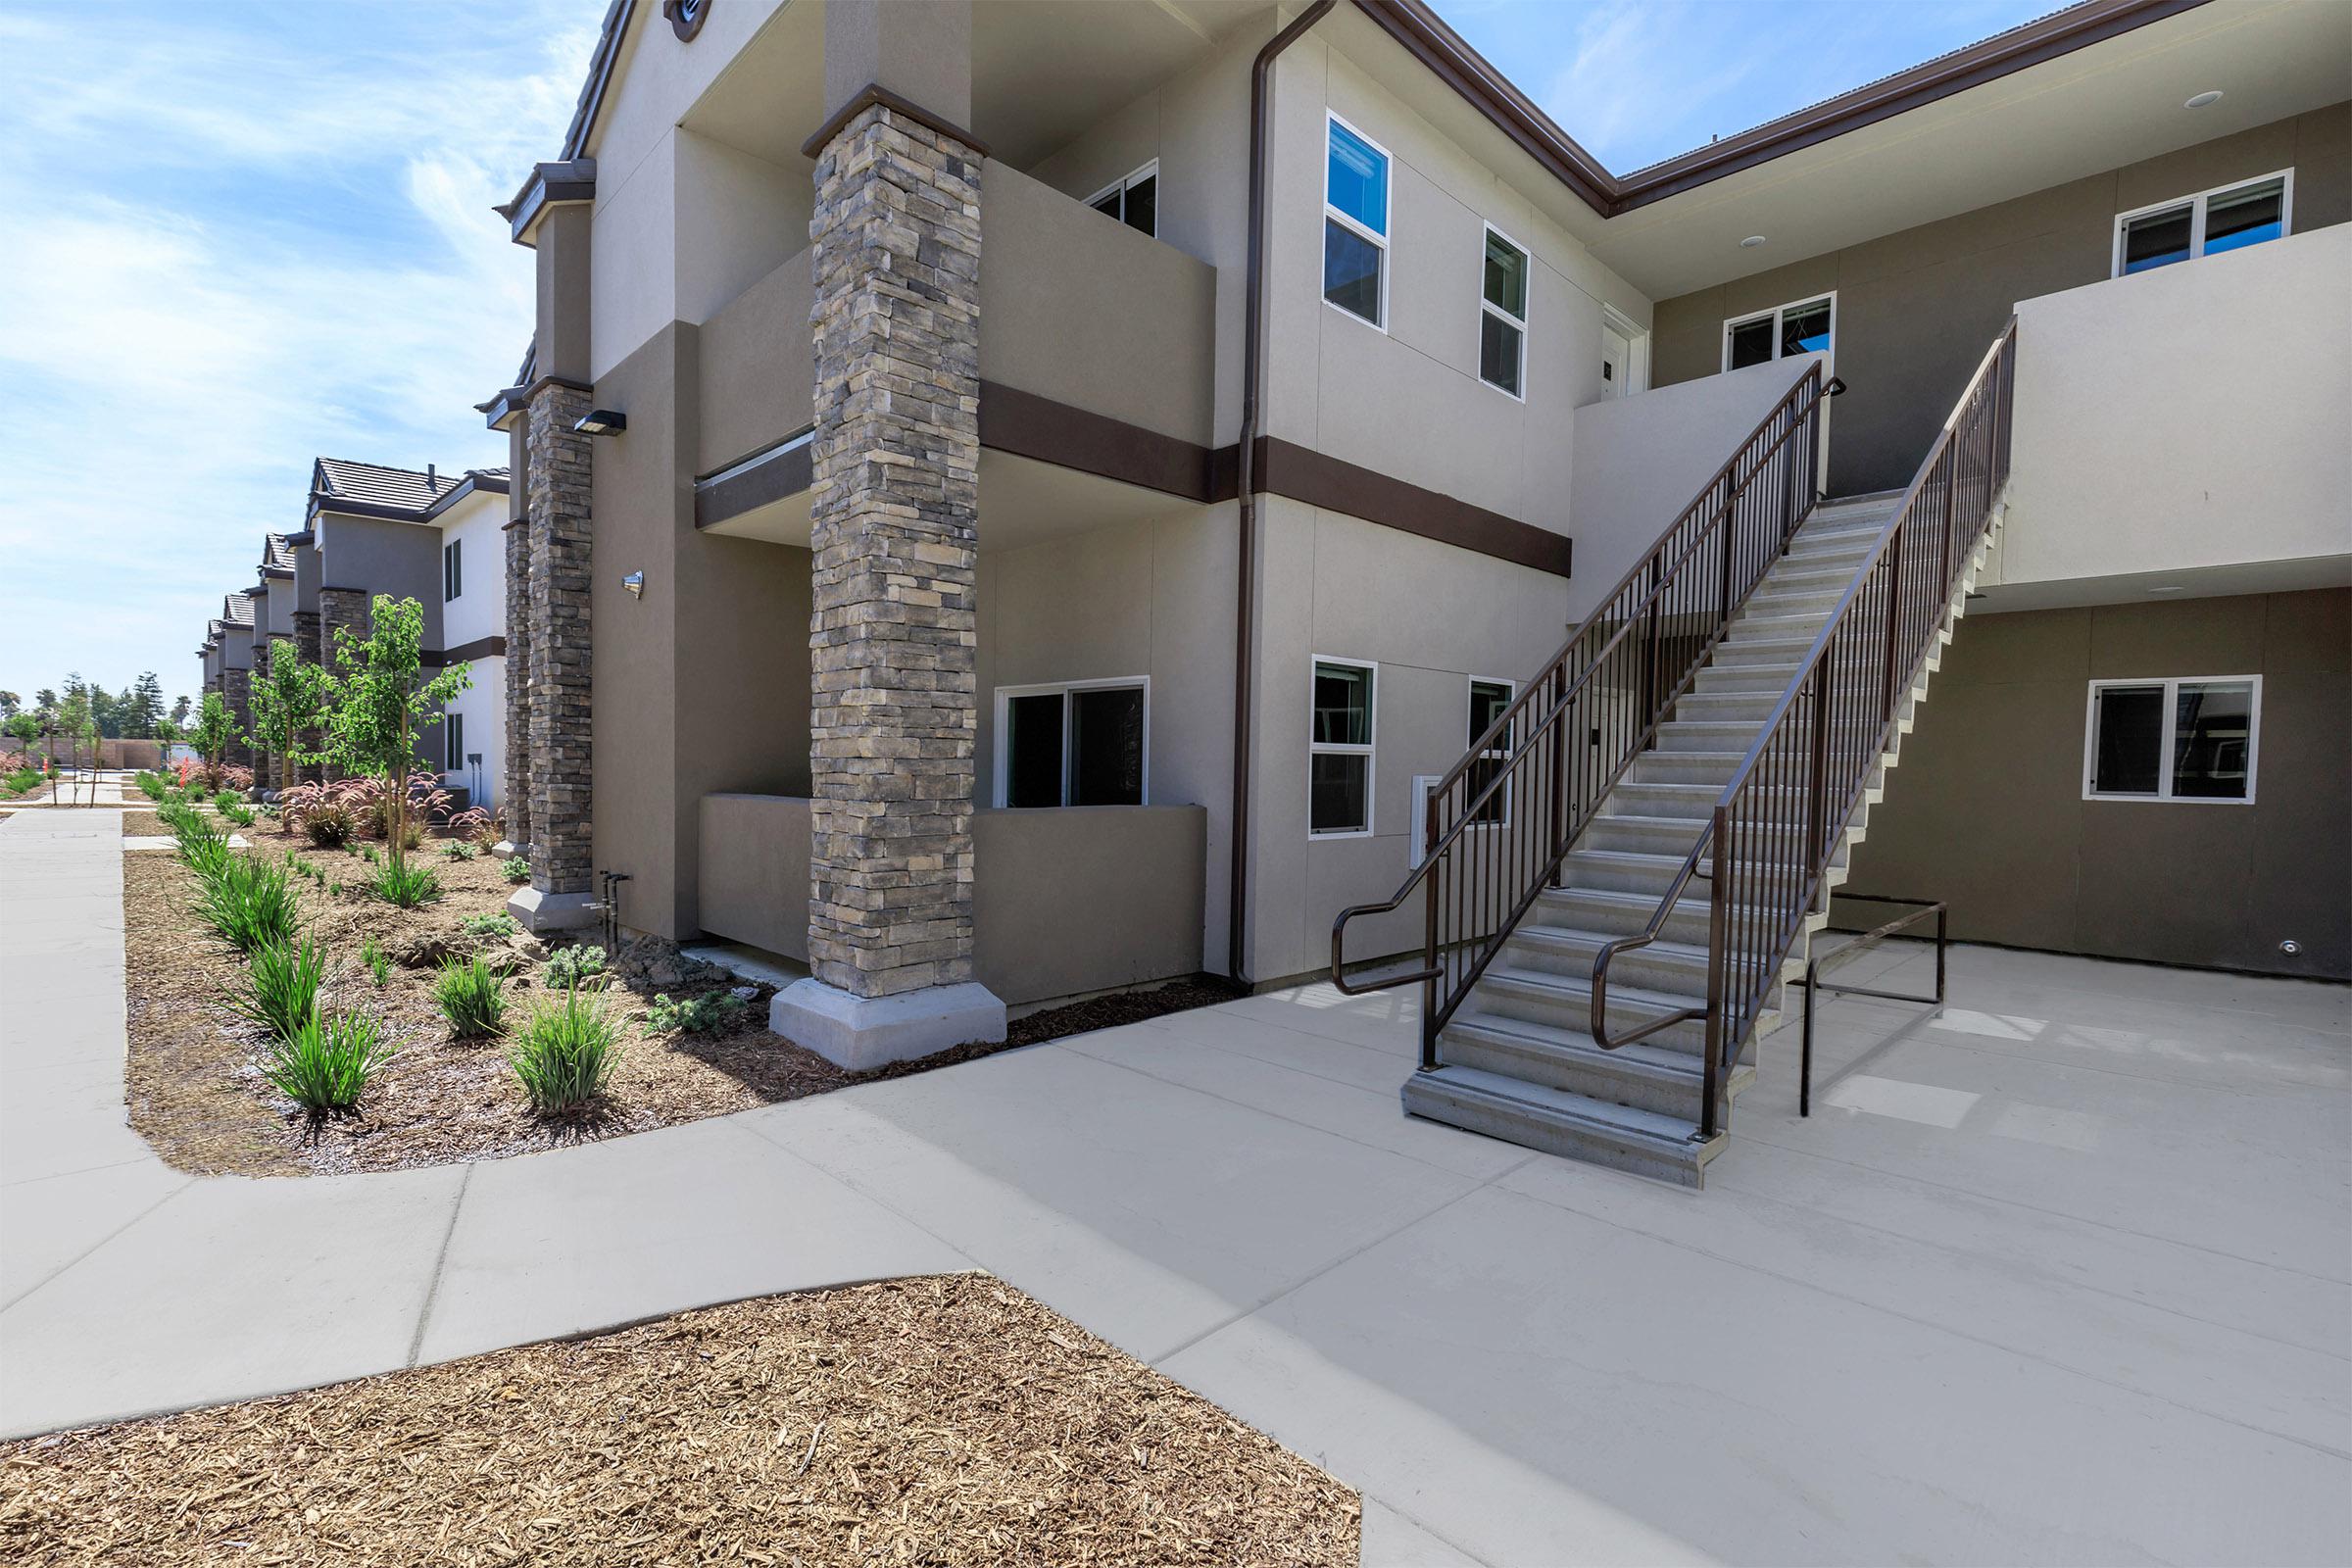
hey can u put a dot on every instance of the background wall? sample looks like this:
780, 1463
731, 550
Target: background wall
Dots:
1985, 808
1917, 309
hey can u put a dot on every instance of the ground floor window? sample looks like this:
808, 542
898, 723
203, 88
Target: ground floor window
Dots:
1339, 761
1075, 743
453, 725
2187, 738
1487, 700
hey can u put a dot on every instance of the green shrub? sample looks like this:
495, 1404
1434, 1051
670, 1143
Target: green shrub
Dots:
241, 816
250, 902
568, 968
490, 925
203, 847
325, 1063
469, 998
379, 967
565, 1054
281, 988
717, 1013
406, 884
517, 869
459, 850
367, 853
224, 798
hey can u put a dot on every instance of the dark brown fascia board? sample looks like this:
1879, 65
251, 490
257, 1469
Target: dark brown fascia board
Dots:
1028, 426
345, 505
873, 94
502, 409
493, 646
302, 540
547, 185
601, 62
1426, 36
471, 484
277, 571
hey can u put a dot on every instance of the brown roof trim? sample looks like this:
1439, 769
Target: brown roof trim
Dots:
1427, 37
547, 185
1028, 426
493, 646
873, 94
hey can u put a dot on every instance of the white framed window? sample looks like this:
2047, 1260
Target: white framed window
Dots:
1503, 315
1074, 743
2228, 218
453, 572
1488, 699
1355, 223
2190, 738
1133, 201
454, 727
1339, 749
1801, 326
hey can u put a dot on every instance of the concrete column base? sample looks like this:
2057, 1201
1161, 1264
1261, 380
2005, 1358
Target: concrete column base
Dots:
504, 848
551, 911
864, 1032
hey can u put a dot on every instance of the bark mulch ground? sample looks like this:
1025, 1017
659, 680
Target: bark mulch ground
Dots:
196, 1091
931, 1420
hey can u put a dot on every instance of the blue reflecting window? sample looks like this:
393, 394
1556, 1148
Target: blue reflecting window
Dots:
1360, 179
2200, 225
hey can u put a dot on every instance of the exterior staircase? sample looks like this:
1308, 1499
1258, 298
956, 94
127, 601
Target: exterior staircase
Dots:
1622, 871
1517, 1060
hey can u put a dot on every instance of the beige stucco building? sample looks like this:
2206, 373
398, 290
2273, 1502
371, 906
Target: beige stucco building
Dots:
1017, 499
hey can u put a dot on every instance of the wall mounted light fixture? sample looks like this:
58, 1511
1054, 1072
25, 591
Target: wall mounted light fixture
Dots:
634, 582
602, 421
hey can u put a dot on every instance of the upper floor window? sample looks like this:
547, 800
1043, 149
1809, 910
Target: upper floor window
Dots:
1355, 224
1502, 316
2191, 739
1133, 201
2229, 218
452, 568
1076, 743
1804, 327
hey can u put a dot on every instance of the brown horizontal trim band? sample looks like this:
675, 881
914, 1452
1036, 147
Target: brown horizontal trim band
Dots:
490, 647
1426, 36
750, 483
564, 381
1028, 426
1318, 479
873, 94
329, 589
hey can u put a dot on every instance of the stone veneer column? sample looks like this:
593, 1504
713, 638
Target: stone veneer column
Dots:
895, 507
306, 640
518, 792
260, 676
236, 690
563, 844
340, 608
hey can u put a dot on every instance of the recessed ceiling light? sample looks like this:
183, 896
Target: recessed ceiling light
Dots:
2168, 588
2202, 99
1751, 242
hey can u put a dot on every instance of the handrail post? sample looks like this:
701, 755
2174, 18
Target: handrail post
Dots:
1894, 609
1816, 786
1718, 956
1556, 840
1429, 944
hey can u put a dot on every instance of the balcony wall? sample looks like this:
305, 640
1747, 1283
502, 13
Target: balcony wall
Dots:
1064, 902
2189, 418
1073, 307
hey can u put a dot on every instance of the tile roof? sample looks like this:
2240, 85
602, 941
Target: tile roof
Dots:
236, 610
384, 487
277, 553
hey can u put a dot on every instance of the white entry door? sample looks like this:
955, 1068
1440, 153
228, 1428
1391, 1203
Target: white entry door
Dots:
1616, 361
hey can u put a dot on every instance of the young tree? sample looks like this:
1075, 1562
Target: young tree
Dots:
382, 700
74, 719
26, 728
215, 732
287, 705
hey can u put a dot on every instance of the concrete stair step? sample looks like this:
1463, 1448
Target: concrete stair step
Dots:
1563, 1001
1556, 1121
1772, 678
1667, 1083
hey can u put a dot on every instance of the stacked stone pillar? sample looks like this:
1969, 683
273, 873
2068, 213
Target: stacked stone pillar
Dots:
236, 690
895, 539
341, 608
518, 804
306, 648
563, 844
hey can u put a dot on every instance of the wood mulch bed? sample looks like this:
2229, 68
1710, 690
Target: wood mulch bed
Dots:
196, 1091
932, 1420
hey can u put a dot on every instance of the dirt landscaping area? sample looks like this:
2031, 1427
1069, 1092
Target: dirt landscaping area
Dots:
197, 1093
933, 1420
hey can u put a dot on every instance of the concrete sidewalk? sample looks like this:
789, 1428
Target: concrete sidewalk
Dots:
2059, 1274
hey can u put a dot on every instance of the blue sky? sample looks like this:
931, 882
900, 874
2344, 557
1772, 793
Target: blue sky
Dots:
237, 236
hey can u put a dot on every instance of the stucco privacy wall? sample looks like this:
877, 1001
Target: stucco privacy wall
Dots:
702, 681
1987, 809
1066, 901
2190, 417
1639, 461
381, 556
1408, 401
1431, 616
1917, 307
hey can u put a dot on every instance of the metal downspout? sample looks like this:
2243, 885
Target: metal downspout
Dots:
1244, 654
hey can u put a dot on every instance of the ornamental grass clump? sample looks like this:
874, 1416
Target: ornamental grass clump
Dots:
203, 847
325, 1063
405, 884
281, 988
379, 967
469, 998
565, 1054
250, 903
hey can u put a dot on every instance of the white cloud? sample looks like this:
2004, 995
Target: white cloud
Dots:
223, 256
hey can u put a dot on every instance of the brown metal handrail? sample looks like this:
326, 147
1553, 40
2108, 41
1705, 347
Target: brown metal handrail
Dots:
1765, 867
1501, 820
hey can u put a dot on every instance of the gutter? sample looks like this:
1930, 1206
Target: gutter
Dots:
1245, 619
